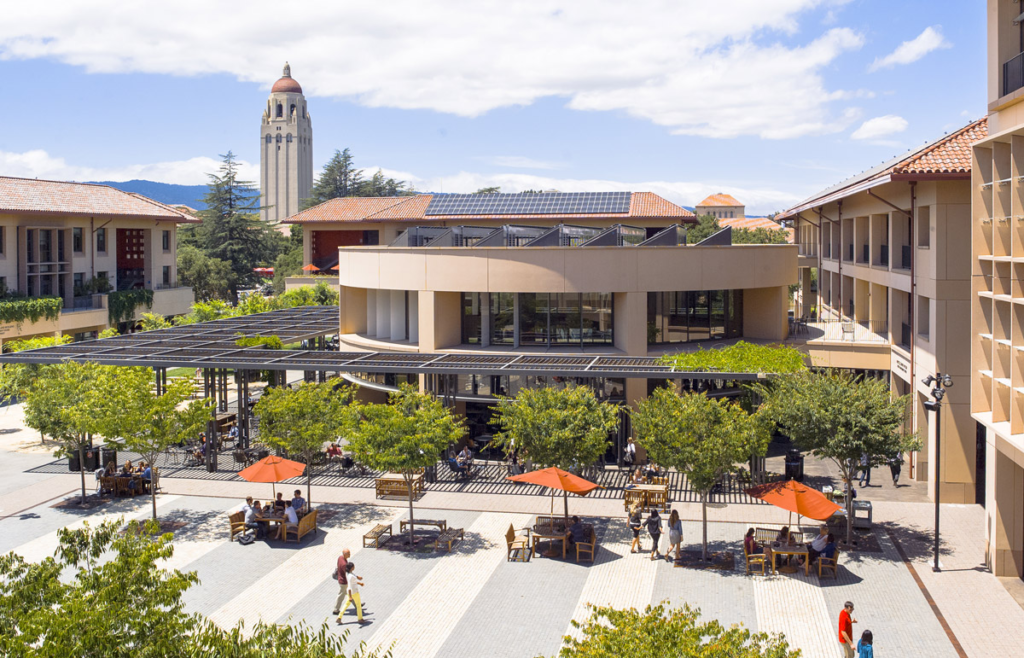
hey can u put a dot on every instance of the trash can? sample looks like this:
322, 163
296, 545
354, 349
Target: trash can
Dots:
430, 473
794, 465
108, 454
91, 460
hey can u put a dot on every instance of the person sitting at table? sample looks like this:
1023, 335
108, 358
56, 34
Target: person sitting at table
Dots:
280, 503
252, 510
750, 544
333, 451
298, 502
233, 433
126, 469
147, 475
651, 471
110, 470
465, 457
576, 533
817, 544
785, 539
638, 477
829, 551
291, 520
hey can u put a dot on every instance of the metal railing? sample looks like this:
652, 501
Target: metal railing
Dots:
905, 335
883, 258
808, 249
86, 303
1013, 74
848, 331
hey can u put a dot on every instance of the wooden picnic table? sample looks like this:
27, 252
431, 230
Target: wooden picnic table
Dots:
544, 532
799, 550
393, 484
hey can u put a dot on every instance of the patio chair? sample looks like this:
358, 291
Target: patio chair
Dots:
517, 545
754, 559
240, 458
460, 471
826, 564
634, 496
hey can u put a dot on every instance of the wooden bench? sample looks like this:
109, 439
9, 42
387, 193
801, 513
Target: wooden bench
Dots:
765, 536
588, 547
829, 564
395, 485
307, 524
516, 543
236, 523
448, 536
440, 524
377, 535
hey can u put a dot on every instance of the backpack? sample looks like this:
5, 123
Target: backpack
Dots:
246, 539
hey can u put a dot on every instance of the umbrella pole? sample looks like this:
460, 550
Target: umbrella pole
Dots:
565, 500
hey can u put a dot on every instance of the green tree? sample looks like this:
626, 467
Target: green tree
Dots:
210, 278
62, 404
657, 632
287, 264
129, 408
17, 378
841, 417
759, 235
381, 185
703, 437
105, 594
489, 190
404, 436
152, 321
232, 230
707, 225
302, 420
339, 178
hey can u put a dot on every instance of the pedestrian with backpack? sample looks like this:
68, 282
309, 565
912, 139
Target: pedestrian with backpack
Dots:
654, 529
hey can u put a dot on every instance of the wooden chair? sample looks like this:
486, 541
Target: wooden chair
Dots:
829, 564
108, 485
307, 524
122, 487
754, 558
587, 548
659, 480
657, 500
236, 524
517, 543
634, 496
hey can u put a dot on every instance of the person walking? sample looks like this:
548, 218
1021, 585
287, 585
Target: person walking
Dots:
864, 648
355, 583
675, 535
895, 466
846, 622
635, 522
341, 575
654, 529
865, 470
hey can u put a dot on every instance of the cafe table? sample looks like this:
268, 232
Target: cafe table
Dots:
549, 532
274, 518
798, 550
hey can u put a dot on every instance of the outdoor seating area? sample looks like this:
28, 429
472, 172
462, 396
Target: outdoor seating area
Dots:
394, 484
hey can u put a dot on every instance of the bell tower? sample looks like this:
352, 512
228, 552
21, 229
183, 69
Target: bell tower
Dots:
286, 150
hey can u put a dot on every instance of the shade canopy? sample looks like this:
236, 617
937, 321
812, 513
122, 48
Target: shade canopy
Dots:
272, 469
310, 268
556, 478
795, 497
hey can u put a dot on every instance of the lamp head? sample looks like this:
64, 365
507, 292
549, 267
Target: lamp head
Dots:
938, 394
928, 381
931, 405
947, 381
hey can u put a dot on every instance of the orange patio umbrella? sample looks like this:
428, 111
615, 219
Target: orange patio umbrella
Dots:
272, 469
557, 479
795, 497
310, 268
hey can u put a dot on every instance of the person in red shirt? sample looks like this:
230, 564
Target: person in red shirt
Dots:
341, 575
846, 622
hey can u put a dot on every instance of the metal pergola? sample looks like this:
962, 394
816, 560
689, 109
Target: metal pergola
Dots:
210, 346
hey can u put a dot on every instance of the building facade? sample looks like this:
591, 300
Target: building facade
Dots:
721, 206
890, 252
75, 241
997, 299
286, 150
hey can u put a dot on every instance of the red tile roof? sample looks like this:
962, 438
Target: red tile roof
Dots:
950, 155
749, 222
29, 195
642, 205
720, 199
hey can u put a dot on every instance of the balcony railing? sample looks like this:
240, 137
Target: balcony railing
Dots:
1013, 74
86, 303
809, 249
847, 331
883, 258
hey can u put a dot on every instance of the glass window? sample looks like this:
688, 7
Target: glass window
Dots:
76, 239
533, 318
167, 275
566, 328
502, 318
472, 316
596, 316
716, 302
78, 282
45, 246
680, 317
165, 239
101, 239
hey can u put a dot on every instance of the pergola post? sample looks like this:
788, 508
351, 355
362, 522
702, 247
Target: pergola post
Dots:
243, 408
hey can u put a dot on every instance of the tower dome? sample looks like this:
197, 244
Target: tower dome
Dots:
286, 84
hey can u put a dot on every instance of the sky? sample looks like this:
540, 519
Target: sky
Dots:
769, 101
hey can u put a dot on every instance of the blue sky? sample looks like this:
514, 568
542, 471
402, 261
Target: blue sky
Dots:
770, 101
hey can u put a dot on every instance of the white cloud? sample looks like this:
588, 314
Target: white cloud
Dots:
690, 67
889, 124
40, 164
913, 50
520, 162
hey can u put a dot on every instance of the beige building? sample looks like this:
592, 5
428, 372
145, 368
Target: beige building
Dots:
890, 248
61, 239
997, 299
588, 274
720, 206
286, 150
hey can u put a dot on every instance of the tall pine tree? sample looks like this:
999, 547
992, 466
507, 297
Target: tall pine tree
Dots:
341, 178
232, 230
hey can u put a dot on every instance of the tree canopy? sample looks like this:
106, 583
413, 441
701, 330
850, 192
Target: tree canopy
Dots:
740, 357
657, 632
841, 417
708, 225
703, 437
563, 427
341, 178
303, 419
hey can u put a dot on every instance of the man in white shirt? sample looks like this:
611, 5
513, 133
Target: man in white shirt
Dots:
818, 544
291, 520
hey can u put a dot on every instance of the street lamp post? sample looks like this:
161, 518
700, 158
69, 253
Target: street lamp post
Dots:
941, 383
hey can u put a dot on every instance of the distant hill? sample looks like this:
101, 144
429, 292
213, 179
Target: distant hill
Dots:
175, 195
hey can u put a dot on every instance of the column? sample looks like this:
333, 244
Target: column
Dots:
414, 316
371, 313
397, 304
384, 314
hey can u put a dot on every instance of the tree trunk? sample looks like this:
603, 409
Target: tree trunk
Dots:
849, 513
309, 487
704, 522
81, 467
412, 527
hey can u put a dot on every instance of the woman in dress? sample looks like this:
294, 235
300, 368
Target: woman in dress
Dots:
675, 535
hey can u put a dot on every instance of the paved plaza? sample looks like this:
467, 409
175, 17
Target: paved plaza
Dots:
472, 602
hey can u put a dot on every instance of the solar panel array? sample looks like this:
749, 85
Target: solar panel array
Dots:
544, 203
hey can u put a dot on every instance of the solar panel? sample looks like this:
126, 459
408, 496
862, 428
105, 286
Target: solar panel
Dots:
544, 203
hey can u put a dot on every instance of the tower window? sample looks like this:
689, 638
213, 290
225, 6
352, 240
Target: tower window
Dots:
278, 139
268, 139
291, 112
280, 110
288, 139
